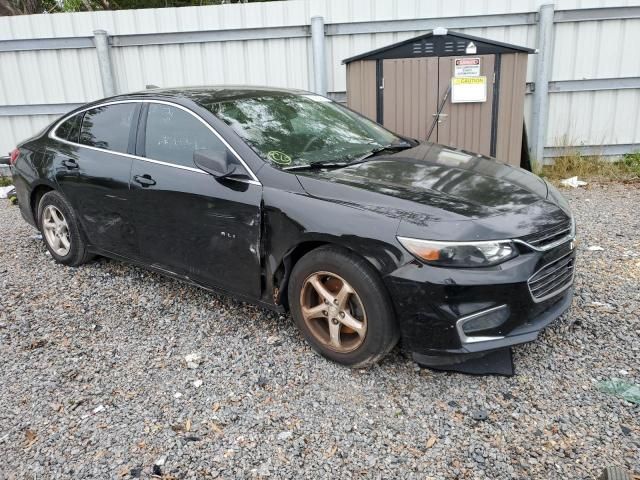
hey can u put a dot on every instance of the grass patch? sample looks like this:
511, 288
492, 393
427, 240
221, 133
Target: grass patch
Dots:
594, 168
5, 181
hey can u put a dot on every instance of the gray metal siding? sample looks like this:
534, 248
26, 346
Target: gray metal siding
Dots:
280, 54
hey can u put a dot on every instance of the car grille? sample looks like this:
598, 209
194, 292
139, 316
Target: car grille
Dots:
548, 236
553, 278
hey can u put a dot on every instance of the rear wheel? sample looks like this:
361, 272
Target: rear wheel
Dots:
60, 230
341, 307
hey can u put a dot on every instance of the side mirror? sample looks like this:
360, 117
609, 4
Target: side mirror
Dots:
214, 162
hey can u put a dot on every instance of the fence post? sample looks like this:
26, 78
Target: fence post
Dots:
319, 64
540, 111
101, 42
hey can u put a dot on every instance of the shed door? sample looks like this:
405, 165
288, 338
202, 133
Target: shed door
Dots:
465, 125
410, 95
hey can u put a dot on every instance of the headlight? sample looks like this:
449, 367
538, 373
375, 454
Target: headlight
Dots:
460, 254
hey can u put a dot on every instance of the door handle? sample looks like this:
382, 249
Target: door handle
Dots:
70, 163
144, 180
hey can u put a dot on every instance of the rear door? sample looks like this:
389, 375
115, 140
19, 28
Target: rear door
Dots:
187, 221
92, 169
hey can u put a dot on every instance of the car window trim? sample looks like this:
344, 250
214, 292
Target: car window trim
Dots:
52, 134
133, 131
141, 131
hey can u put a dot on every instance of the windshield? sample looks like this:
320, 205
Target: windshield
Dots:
294, 130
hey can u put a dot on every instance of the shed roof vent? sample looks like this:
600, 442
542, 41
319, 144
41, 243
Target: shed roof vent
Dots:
422, 48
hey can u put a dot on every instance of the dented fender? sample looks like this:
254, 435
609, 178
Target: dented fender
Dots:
295, 221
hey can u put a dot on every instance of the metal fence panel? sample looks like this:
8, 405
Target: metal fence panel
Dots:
269, 43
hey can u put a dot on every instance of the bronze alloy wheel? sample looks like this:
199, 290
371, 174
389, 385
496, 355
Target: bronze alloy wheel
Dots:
333, 312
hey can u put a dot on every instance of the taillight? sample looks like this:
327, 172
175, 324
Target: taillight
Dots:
13, 156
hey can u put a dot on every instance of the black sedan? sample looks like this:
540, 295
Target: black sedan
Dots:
288, 200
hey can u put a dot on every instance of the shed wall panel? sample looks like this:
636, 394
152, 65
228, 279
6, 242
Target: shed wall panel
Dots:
410, 95
466, 125
513, 71
362, 88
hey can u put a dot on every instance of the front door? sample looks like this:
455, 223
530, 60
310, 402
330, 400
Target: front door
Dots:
187, 221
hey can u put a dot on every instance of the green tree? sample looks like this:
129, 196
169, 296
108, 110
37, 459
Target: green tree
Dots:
26, 7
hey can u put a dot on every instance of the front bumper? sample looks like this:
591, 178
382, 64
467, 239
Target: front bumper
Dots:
431, 301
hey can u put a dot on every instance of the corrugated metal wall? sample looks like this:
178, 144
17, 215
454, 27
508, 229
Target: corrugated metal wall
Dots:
596, 49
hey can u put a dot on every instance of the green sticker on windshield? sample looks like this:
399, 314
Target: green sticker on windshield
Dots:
278, 157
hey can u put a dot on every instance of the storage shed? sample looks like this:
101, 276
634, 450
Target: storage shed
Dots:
460, 90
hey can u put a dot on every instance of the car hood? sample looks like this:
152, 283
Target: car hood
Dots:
431, 183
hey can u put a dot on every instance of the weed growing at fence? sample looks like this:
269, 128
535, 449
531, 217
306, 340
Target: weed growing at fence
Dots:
594, 167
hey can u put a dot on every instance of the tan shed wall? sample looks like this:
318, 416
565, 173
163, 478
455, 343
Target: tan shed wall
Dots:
361, 87
467, 125
513, 71
410, 95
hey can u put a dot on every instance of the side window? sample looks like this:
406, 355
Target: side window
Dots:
70, 128
172, 135
108, 127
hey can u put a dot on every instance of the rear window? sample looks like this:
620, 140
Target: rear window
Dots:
108, 126
70, 128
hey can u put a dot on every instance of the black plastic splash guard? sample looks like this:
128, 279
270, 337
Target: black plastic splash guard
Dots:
498, 362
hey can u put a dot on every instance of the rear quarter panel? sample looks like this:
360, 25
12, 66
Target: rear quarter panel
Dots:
30, 172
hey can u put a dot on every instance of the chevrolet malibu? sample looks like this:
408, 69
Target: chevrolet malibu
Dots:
290, 201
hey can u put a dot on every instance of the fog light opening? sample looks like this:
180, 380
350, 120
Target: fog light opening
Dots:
469, 327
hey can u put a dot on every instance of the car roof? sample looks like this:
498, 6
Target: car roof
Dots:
210, 94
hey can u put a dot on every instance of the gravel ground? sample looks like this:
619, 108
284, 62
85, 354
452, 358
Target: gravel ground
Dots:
94, 382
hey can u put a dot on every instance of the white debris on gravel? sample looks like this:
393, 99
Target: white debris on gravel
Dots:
572, 182
4, 191
193, 360
110, 334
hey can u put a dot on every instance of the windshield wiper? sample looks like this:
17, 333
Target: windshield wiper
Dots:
332, 164
317, 166
379, 150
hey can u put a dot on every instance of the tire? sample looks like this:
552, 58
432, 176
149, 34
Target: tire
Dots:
54, 210
364, 322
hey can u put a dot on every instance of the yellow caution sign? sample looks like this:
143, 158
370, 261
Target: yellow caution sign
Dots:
468, 89
469, 80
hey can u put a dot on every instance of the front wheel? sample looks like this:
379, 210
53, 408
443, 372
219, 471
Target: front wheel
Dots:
341, 307
61, 231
